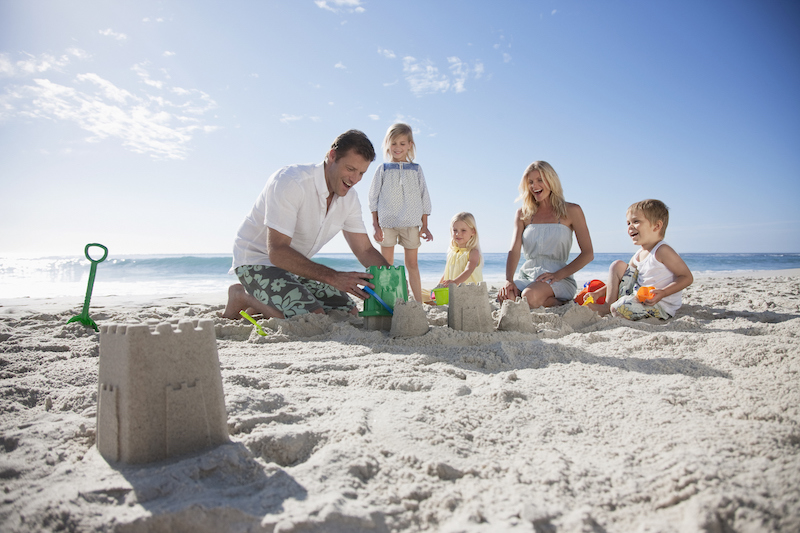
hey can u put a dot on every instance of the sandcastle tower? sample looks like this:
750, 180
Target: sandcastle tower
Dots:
409, 319
159, 391
515, 315
469, 308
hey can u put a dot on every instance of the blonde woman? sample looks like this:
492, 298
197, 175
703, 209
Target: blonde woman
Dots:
464, 260
543, 229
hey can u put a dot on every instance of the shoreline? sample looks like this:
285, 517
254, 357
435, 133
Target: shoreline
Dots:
219, 297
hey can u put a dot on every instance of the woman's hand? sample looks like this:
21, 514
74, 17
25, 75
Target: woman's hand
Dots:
509, 291
549, 278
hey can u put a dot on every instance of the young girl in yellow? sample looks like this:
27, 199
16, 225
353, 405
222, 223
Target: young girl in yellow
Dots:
464, 260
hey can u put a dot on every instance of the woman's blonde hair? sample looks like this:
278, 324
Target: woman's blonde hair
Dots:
469, 220
529, 204
395, 131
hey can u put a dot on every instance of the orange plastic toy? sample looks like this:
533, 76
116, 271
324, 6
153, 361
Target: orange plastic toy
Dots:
645, 293
592, 286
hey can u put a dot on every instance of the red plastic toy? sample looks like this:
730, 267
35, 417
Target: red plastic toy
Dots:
592, 286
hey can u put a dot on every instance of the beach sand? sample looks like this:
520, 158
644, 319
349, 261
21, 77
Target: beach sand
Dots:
586, 425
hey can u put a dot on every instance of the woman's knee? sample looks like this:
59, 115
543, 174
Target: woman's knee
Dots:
535, 296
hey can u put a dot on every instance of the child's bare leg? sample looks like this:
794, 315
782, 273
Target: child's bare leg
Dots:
540, 294
412, 269
388, 253
615, 273
240, 300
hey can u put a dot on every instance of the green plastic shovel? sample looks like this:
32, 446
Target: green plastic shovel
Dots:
83, 318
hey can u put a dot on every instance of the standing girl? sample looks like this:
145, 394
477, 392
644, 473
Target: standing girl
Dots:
464, 260
400, 204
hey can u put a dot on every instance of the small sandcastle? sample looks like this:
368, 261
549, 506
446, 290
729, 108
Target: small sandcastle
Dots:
469, 308
159, 391
409, 319
515, 315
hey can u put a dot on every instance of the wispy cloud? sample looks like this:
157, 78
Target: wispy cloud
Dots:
38, 64
337, 6
288, 119
424, 77
340, 65
374, 117
111, 33
386, 53
167, 53
156, 120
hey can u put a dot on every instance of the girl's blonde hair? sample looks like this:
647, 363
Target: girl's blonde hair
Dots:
469, 220
529, 204
395, 131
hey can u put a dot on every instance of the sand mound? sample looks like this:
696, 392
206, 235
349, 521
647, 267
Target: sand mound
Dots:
570, 423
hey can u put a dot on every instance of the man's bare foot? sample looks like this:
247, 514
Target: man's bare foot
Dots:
240, 300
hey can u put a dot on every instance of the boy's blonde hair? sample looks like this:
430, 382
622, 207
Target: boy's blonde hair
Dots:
529, 204
469, 220
653, 211
395, 131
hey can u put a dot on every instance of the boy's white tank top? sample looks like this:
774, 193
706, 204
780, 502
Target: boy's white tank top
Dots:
653, 273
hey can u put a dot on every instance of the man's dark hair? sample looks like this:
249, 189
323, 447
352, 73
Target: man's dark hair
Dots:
354, 140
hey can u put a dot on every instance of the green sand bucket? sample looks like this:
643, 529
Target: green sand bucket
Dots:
390, 284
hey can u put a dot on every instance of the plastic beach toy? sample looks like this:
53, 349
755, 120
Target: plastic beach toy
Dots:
591, 286
259, 329
378, 298
440, 296
83, 318
645, 293
390, 285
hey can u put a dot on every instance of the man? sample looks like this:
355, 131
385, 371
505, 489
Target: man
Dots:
301, 208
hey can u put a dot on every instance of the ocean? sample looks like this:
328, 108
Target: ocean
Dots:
203, 273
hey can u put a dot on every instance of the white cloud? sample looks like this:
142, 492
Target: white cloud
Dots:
374, 117
337, 6
424, 77
38, 64
143, 122
506, 57
386, 53
139, 69
340, 65
167, 53
288, 119
111, 33
553, 12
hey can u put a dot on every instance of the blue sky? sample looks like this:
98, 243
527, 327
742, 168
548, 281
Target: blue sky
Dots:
151, 126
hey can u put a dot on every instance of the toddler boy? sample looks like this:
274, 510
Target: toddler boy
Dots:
655, 264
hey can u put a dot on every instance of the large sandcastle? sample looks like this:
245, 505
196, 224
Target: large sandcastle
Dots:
159, 391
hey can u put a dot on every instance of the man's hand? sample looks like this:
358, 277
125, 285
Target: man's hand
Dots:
349, 282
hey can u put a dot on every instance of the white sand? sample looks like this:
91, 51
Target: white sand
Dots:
587, 425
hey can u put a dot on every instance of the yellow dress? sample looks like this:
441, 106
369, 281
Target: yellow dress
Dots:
457, 260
